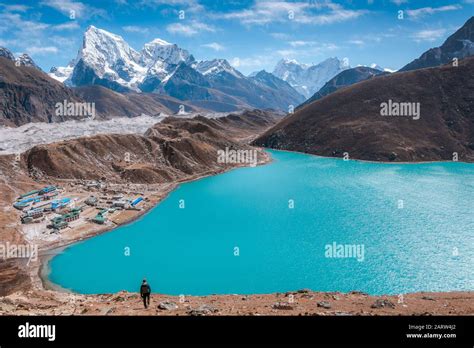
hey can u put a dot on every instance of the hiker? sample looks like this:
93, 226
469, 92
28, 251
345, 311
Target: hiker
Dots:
145, 291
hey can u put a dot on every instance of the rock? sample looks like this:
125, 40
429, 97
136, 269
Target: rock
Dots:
392, 156
203, 310
283, 306
303, 291
429, 298
109, 311
168, 306
324, 304
358, 293
335, 297
382, 304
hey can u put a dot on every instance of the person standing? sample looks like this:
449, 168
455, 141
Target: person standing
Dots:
145, 292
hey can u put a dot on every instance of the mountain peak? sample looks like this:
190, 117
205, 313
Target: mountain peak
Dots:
216, 66
6, 53
25, 60
308, 79
459, 45
161, 42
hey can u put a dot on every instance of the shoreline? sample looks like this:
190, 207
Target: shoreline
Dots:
362, 160
43, 265
275, 303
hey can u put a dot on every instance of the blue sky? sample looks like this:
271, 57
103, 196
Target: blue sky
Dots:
251, 34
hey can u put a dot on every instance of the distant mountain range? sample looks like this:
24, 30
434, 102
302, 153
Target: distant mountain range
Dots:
308, 79
350, 119
343, 79
106, 59
27, 94
345, 117
163, 78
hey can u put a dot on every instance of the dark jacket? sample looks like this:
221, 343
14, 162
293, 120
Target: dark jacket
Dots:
145, 289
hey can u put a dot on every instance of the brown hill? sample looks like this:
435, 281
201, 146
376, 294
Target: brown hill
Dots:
113, 104
29, 95
349, 120
170, 150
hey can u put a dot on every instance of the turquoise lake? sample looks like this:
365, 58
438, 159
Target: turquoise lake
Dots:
415, 223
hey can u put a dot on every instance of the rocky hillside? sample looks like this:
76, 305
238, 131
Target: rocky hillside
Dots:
29, 95
171, 150
350, 120
112, 104
459, 45
343, 79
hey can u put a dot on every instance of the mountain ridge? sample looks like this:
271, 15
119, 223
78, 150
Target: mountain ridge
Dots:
106, 59
350, 120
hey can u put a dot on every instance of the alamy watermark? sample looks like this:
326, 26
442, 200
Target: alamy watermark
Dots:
15, 251
74, 109
230, 156
405, 109
336, 251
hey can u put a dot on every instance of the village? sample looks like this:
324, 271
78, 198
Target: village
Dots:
54, 208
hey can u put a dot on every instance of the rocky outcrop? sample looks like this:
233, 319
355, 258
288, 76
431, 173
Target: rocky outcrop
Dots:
459, 45
29, 95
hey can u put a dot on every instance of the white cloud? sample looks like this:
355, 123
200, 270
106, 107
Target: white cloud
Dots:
280, 36
214, 46
186, 5
15, 8
67, 26
356, 42
72, 7
428, 35
190, 28
424, 11
307, 49
301, 43
135, 29
66, 6
42, 50
399, 2
19, 25
309, 12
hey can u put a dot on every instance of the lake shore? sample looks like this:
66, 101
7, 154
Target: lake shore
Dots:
45, 298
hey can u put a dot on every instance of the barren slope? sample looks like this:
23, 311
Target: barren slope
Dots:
349, 120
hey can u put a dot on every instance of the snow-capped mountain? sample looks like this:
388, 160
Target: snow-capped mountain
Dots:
308, 79
6, 53
25, 60
22, 60
161, 67
62, 73
216, 66
107, 59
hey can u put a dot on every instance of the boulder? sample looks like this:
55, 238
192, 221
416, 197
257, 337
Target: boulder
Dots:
168, 306
324, 304
382, 304
282, 306
203, 310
